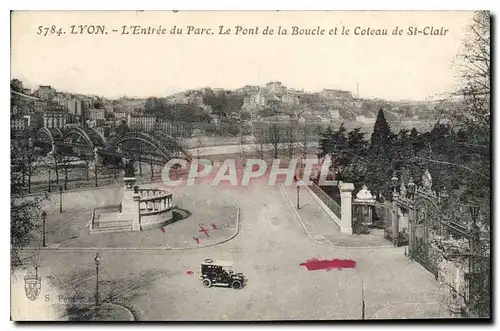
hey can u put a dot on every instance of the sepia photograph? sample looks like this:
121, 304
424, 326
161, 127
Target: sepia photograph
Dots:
250, 166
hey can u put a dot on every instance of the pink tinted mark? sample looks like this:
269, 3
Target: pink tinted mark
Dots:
315, 264
203, 230
189, 272
214, 226
197, 240
163, 229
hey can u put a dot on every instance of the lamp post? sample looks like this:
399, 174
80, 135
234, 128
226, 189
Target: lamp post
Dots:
443, 195
97, 260
60, 199
44, 217
298, 195
50, 187
474, 212
394, 181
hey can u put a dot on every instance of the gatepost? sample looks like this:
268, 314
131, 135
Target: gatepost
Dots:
346, 207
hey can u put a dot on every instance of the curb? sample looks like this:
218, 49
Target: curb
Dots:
129, 313
318, 242
411, 303
78, 249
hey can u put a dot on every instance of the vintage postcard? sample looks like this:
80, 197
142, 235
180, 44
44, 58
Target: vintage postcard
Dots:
250, 165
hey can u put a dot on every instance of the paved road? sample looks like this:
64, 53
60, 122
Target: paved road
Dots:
268, 250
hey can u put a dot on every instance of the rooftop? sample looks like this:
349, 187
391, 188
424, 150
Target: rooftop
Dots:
218, 262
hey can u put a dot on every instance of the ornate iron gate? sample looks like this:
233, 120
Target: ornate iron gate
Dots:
424, 221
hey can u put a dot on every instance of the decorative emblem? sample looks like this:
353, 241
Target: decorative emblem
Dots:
32, 286
427, 180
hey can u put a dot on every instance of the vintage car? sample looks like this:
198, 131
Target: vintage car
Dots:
220, 273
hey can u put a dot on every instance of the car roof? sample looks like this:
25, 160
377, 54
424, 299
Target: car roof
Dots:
218, 263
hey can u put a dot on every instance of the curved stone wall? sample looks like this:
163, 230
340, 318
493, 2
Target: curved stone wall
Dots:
155, 207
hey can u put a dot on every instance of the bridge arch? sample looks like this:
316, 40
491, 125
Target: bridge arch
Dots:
49, 135
90, 137
164, 146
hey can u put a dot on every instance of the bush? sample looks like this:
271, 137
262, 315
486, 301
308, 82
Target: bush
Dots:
359, 228
378, 224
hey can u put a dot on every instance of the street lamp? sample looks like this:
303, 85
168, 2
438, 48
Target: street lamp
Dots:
444, 193
474, 212
44, 217
60, 199
50, 187
394, 181
97, 260
298, 195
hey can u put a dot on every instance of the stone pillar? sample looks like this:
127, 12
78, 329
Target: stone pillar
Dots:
411, 222
136, 219
346, 207
395, 223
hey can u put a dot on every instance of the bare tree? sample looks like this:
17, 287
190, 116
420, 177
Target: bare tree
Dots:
474, 66
67, 163
305, 137
472, 113
275, 139
290, 140
244, 152
96, 167
261, 141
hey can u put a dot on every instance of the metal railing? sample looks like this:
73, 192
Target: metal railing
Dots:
327, 200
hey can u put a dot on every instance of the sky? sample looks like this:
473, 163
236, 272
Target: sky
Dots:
114, 65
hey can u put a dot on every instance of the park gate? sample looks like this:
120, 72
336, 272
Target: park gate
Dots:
433, 219
424, 222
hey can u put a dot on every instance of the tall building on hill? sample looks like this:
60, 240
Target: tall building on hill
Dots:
46, 92
275, 87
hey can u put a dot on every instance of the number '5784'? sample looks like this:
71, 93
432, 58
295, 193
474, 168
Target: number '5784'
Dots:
49, 30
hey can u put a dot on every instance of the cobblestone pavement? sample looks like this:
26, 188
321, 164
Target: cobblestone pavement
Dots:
271, 245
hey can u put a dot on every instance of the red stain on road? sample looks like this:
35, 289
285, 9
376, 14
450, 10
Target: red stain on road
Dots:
203, 230
315, 264
214, 226
197, 240
163, 230
189, 272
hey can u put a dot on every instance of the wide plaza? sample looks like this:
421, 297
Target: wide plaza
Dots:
265, 239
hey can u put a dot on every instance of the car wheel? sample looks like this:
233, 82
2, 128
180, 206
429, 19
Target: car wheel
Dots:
236, 285
207, 282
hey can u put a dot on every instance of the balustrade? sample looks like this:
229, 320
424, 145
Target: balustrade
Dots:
154, 200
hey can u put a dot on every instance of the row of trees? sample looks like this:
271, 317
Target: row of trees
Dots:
446, 151
284, 139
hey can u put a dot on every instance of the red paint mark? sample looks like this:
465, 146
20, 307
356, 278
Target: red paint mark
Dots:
203, 230
315, 264
197, 240
214, 226
189, 272
163, 230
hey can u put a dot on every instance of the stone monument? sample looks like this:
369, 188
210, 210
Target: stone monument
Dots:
130, 202
140, 209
